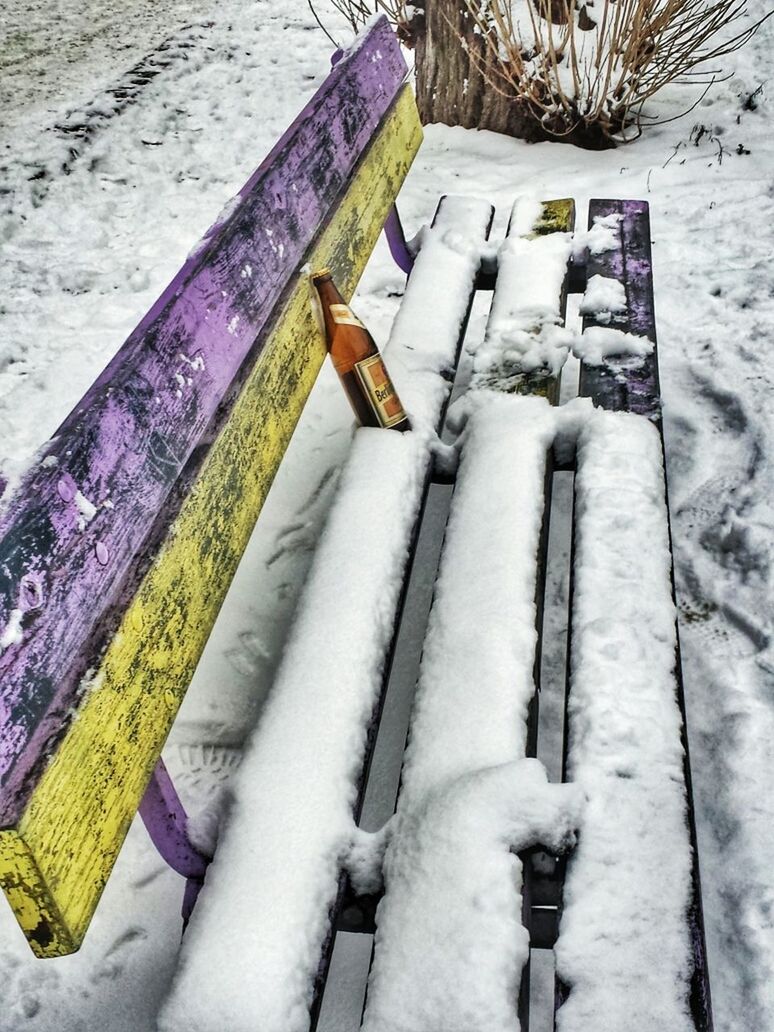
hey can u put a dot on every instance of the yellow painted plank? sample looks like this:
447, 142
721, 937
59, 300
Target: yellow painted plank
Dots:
30, 900
555, 217
69, 836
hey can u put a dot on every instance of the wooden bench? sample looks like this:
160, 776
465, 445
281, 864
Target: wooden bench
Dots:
279, 880
119, 546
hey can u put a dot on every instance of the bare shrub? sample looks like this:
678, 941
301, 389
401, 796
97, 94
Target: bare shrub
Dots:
593, 67
357, 13
583, 70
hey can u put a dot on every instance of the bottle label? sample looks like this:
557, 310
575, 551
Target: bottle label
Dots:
344, 315
379, 390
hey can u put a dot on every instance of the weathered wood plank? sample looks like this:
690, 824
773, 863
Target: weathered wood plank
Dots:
636, 389
555, 217
512, 307
70, 537
76, 819
613, 385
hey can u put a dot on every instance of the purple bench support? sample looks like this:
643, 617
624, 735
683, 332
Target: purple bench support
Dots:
396, 240
167, 824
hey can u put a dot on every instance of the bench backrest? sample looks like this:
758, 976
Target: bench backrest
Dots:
118, 548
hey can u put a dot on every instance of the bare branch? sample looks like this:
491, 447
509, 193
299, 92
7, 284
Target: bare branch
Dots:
594, 81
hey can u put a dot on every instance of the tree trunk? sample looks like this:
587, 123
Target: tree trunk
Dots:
453, 87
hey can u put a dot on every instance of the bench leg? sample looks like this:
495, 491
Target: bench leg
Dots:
396, 240
167, 824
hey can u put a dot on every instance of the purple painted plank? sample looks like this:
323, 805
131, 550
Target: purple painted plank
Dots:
70, 538
634, 389
637, 390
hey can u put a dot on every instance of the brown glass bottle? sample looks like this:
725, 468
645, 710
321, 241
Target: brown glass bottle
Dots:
357, 360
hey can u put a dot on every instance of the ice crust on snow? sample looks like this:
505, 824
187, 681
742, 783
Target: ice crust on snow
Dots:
290, 830
623, 946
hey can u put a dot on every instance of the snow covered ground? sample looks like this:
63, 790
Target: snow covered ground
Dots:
85, 254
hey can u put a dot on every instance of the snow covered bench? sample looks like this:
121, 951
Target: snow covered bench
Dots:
118, 547
459, 912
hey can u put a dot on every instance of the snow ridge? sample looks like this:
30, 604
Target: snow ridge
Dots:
623, 946
468, 797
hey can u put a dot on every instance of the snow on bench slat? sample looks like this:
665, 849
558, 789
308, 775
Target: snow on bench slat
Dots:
253, 945
525, 335
430, 316
252, 949
450, 945
624, 944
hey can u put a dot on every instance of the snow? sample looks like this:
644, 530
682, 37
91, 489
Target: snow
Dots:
275, 872
623, 945
476, 678
598, 343
424, 336
13, 633
86, 254
87, 510
602, 235
450, 945
603, 297
524, 331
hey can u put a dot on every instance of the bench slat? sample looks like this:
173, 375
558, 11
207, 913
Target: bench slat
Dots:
634, 388
76, 819
529, 301
71, 535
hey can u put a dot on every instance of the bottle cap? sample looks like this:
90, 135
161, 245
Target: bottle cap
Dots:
321, 273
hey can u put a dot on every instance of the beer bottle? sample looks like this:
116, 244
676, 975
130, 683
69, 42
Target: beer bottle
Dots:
357, 361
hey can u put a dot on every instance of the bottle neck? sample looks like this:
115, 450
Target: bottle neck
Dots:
329, 295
